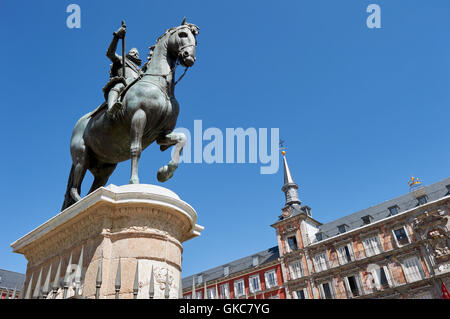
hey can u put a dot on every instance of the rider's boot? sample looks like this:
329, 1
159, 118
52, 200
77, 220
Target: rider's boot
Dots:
113, 104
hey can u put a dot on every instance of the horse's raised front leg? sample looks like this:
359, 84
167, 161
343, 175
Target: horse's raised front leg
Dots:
179, 140
138, 123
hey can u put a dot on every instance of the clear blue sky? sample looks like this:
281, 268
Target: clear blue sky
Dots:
361, 110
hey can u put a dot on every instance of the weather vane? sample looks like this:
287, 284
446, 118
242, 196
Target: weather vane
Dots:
282, 147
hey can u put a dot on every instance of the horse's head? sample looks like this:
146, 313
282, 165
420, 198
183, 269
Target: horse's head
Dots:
182, 43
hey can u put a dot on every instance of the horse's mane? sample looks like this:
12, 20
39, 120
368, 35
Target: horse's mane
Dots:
194, 29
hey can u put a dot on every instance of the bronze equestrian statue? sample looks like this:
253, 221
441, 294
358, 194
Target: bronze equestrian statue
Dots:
147, 113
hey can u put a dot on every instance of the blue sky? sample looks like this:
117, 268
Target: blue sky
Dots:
361, 110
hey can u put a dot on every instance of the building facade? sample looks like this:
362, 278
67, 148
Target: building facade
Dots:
396, 249
258, 276
11, 284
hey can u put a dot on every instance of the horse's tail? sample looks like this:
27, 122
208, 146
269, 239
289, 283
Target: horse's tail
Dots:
68, 200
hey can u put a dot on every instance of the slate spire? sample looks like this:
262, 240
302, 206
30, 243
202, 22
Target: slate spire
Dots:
290, 187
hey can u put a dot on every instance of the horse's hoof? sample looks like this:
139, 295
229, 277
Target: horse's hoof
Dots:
164, 173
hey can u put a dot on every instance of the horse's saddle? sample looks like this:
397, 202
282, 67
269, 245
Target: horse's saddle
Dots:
98, 110
113, 81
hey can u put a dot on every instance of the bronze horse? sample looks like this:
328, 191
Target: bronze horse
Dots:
149, 114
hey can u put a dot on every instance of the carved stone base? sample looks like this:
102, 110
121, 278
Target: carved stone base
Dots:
138, 224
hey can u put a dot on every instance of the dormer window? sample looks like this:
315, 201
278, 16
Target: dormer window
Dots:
422, 199
199, 279
255, 261
393, 210
307, 210
319, 236
448, 190
367, 219
226, 270
342, 228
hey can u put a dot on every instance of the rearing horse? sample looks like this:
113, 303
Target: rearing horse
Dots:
149, 114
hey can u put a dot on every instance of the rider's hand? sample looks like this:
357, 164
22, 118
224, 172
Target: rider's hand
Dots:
121, 32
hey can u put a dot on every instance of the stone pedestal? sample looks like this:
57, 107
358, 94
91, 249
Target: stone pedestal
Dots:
143, 226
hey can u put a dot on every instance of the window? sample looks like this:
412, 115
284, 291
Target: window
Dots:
211, 293
320, 262
199, 279
225, 291
352, 286
296, 269
187, 296
412, 269
319, 236
292, 242
239, 288
345, 254
400, 235
367, 219
271, 279
381, 278
371, 246
326, 291
199, 294
422, 199
226, 271
393, 210
255, 261
254, 283
301, 293
342, 228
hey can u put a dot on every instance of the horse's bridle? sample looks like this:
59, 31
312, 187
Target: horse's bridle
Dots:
180, 49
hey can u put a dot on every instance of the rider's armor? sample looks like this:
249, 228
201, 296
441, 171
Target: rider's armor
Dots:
117, 81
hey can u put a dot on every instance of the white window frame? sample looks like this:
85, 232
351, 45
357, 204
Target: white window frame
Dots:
252, 288
395, 237
236, 285
305, 292
199, 294
342, 257
369, 248
211, 293
225, 291
266, 277
199, 279
296, 269
288, 247
226, 271
255, 261
408, 271
376, 274
188, 296
322, 291
321, 265
357, 277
